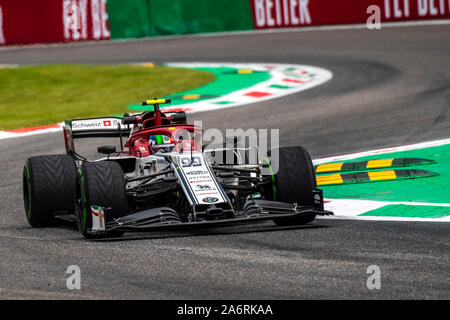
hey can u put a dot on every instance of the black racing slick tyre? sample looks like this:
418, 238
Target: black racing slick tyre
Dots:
294, 182
100, 184
48, 187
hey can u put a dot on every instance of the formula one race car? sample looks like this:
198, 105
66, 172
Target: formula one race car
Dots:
164, 178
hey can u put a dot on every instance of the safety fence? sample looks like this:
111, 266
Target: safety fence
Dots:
47, 21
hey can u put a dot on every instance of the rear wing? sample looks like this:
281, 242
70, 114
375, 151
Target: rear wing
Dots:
93, 128
97, 127
114, 126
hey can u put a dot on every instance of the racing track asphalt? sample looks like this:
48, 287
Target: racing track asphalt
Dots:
390, 87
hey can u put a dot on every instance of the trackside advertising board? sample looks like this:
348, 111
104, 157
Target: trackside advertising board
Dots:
297, 13
33, 21
49, 21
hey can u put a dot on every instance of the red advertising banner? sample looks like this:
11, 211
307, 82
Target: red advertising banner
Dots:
43, 21
297, 13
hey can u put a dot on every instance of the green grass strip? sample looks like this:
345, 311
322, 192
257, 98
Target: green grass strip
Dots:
43, 95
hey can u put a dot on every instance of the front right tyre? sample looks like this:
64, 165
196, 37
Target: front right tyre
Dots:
294, 182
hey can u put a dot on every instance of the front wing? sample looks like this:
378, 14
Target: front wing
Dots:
165, 218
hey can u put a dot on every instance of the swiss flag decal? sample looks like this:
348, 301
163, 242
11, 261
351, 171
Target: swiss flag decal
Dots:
107, 123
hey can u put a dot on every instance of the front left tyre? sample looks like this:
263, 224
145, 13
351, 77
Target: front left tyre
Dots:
100, 184
48, 188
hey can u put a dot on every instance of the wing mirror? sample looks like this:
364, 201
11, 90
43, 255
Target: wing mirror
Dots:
131, 119
179, 117
106, 149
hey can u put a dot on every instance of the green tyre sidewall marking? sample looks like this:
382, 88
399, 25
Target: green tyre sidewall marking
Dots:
83, 217
274, 187
28, 181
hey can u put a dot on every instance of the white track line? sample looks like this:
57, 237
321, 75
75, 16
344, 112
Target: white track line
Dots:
8, 135
421, 145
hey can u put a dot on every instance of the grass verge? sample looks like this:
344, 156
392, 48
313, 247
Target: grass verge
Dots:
41, 95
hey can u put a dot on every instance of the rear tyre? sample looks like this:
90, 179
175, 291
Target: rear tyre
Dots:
100, 184
48, 187
293, 183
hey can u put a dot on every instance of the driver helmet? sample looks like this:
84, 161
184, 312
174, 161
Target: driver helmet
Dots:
160, 143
